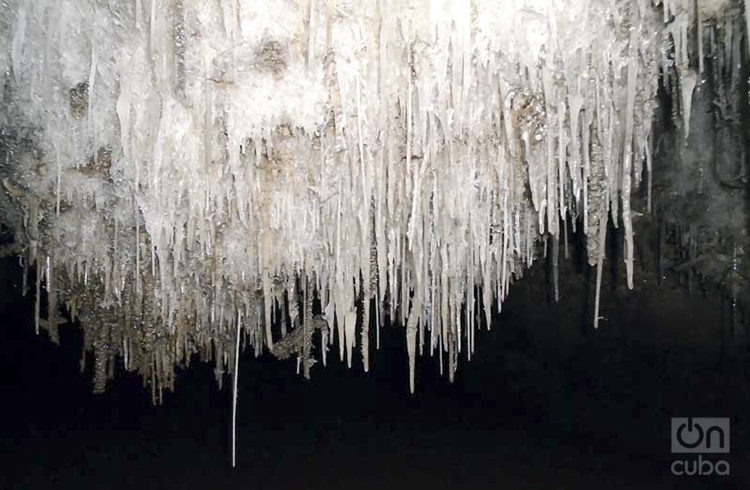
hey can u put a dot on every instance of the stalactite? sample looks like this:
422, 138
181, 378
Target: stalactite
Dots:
235, 378
371, 152
603, 221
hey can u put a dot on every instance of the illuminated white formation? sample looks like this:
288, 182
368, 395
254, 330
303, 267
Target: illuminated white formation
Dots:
194, 169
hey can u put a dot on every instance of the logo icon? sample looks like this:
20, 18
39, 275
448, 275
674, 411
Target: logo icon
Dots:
700, 435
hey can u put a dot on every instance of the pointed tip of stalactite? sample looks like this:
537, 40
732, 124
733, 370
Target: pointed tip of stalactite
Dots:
412, 376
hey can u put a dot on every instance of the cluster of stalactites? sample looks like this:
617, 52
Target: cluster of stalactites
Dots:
205, 168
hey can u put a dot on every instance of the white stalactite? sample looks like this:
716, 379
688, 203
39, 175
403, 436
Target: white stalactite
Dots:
241, 146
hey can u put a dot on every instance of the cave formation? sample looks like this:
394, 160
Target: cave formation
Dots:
195, 178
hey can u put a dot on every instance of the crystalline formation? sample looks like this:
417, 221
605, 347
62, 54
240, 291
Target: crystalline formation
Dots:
190, 176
